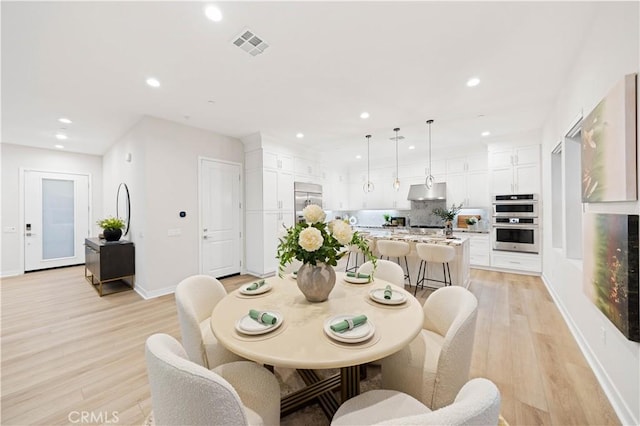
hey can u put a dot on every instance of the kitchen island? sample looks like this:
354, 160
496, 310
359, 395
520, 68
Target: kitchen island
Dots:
459, 266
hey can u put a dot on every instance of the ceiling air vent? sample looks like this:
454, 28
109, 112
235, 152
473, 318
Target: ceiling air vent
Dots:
248, 41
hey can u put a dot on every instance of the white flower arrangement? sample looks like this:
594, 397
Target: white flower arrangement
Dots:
314, 241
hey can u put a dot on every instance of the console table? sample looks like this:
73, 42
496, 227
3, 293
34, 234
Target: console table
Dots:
109, 262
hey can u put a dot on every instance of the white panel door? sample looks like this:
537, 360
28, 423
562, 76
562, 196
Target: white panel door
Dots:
56, 219
220, 213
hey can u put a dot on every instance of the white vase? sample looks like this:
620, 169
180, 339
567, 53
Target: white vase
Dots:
316, 281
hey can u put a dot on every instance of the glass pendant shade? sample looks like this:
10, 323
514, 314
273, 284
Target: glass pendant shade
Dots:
368, 185
429, 180
396, 182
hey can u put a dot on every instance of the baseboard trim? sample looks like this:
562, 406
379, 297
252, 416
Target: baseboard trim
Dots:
7, 274
625, 415
154, 293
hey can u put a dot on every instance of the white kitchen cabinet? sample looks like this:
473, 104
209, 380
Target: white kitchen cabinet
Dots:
277, 190
335, 191
270, 203
263, 231
518, 262
305, 167
467, 181
272, 160
515, 170
479, 249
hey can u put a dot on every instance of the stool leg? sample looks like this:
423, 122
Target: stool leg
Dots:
444, 275
449, 270
408, 273
421, 270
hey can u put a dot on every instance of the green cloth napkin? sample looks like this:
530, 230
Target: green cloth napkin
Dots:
387, 292
344, 324
256, 285
354, 275
262, 317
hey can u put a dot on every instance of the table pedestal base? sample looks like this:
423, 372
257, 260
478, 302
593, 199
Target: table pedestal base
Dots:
321, 389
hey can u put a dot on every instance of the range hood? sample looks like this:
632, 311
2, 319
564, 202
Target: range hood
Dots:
420, 192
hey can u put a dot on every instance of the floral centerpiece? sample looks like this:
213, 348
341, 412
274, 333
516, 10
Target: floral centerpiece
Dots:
319, 246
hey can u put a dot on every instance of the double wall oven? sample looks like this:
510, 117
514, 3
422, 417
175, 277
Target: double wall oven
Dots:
515, 223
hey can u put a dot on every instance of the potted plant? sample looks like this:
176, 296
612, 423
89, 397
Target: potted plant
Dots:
471, 222
448, 216
112, 228
387, 219
319, 246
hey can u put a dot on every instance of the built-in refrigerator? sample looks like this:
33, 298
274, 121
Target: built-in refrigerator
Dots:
306, 193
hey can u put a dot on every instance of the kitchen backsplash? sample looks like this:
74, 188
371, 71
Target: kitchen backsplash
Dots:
420, 214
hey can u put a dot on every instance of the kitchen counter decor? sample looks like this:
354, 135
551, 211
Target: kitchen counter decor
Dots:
448, 216
319, 246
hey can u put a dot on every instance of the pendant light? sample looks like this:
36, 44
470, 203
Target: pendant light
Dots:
368, 186
396, 182
429, 181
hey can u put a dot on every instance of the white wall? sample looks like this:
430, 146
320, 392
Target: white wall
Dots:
163, 176
610, 51
15, 157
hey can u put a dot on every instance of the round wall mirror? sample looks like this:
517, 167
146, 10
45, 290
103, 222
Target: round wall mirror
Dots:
123, 206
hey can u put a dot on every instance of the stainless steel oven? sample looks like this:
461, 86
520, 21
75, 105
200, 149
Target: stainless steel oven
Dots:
515, 205
516, 234
515, 223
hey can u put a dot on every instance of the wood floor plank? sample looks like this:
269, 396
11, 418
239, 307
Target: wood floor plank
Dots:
65, 349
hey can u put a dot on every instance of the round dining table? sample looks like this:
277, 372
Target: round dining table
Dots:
301, 341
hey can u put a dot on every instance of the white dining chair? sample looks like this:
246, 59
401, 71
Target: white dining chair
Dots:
385, 270
196, 296
185, 393
477, 404
435, 365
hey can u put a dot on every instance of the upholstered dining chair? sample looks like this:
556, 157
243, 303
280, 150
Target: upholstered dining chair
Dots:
185, 393
435, 365
385, 270
196, 296
477, 404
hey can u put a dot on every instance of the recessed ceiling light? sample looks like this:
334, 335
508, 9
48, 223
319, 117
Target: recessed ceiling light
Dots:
61, 136
364, 115
474, 81
59, 146
213, 13
153, 82
485, 133
299, 135
412, 147
358, 157
64, 120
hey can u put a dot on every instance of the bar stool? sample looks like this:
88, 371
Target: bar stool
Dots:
433, 253
397, 249
355, 250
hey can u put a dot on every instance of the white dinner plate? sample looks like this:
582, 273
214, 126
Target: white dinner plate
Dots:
356, 280
397, 297
355, 335
263, 289
247, 325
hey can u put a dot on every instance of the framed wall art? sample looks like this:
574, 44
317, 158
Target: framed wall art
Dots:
609, 144
611, 269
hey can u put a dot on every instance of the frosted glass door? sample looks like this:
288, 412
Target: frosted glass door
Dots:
56, 219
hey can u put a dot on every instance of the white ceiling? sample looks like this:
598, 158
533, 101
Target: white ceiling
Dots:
327, 62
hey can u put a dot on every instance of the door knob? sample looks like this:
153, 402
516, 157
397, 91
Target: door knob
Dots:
204, 237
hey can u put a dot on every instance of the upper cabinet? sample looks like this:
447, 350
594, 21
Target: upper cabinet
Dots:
515, 170
467, 181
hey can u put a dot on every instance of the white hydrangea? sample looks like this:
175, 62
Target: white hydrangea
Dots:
342, 232
310, 239
313, 214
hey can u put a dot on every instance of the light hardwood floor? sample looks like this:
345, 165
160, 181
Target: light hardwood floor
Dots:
66, 350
